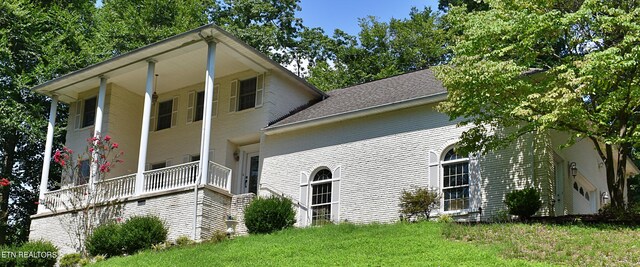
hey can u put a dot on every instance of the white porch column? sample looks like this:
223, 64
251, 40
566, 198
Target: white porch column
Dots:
46, 164
97, 126
205, 141
144, 133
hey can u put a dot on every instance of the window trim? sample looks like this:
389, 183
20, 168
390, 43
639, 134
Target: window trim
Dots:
312, 184
234, 96
441, 164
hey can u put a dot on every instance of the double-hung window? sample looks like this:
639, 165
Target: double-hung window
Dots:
321, 197
165, 112
455, 186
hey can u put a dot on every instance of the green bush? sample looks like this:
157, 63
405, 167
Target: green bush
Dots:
105, 240
418, 202
142, 232
524, 203
218, 236
445, 218
70, 260
40, 253
266, 215
184, 240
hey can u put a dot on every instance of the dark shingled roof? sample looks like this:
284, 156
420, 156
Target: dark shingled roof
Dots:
389, 90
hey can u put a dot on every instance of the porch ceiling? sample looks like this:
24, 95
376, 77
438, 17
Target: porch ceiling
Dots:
181, 61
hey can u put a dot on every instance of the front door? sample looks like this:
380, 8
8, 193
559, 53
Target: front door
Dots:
250, 179
559, 172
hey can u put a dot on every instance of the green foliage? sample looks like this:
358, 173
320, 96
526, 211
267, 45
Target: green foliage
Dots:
7, 261
218, 236
70, 260
184, 240
501, 216
629, 213
142, 232
41, 253
106, 240
418, 202
445, 218
536, 66
267, 215
161, 246
524, 203
381, 49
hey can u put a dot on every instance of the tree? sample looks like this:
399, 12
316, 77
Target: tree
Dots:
470, 5
381, 50
586, 57
38, 41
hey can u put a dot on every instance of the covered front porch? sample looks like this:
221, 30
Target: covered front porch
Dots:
161, 103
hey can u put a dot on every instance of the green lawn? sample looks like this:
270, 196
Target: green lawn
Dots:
421, 244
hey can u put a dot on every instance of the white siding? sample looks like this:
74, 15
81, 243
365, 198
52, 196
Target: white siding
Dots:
380, 156
282, 96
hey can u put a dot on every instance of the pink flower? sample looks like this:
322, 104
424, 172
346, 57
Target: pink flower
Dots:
62, 163
91, 149
107, 138
114, 145
37, 202
118, 219
105, 167
4, 182
56, 156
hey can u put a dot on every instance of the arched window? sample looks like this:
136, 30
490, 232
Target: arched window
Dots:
321, 197
455, 184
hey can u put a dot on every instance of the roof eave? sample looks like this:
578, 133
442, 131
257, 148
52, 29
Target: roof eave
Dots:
428, 99
141, 54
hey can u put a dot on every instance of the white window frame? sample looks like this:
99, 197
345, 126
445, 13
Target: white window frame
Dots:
441, 166
313, 184
80, 113
234, 97
174, 113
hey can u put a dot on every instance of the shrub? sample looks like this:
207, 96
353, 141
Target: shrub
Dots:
445, 218
418, 202
218, 236
70, 260
105, 240
266, 215
142, 232
184, 240
501, 216
524, 203
99, 258
41, 253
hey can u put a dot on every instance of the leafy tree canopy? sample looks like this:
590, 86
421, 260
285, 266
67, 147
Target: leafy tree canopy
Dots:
587, 54
381, 50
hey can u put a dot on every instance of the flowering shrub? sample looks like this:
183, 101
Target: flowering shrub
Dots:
93, 202
4, 182
100, 151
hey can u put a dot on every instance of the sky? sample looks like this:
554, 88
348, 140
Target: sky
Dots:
343, 14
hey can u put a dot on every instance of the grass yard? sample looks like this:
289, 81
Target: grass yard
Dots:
421, 244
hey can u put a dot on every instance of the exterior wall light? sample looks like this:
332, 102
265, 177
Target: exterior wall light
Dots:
573, 169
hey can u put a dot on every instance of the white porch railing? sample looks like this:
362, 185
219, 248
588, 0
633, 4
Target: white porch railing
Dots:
159, 180
170, 177
219, 176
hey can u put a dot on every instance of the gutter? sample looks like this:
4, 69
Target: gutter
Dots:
428, 99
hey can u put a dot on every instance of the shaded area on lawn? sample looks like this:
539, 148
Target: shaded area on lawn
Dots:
582, 245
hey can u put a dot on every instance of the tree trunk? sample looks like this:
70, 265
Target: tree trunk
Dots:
616, 176
7, 168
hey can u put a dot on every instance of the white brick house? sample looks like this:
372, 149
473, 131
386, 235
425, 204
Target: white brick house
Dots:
205, 120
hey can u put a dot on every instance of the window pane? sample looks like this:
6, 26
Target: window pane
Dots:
89, 112
321, 194
321, 215
164, 115
199, 106
247, 94
322, 175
